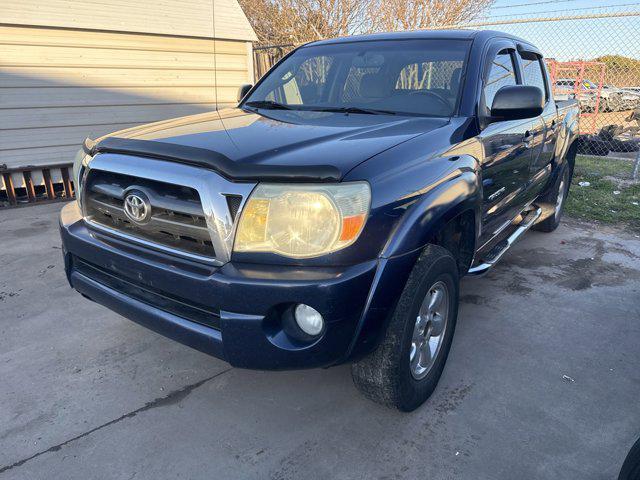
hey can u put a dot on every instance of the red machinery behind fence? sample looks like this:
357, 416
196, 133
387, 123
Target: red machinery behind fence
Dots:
568, 80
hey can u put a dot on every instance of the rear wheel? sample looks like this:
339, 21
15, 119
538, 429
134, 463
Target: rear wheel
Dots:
405, 368
556, 198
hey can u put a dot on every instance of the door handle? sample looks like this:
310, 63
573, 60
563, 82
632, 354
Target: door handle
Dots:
528, 137
553, 124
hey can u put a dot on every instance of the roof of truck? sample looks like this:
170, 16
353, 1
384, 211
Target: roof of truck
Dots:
482, 35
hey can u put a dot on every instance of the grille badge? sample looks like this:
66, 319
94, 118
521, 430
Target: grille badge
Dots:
137, 207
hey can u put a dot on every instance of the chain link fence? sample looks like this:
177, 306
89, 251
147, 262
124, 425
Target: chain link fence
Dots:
593, 55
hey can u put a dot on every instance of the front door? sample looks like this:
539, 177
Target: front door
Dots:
507, 152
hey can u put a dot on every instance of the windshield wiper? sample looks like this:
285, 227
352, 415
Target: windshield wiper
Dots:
271, 105
268, 104
366, 111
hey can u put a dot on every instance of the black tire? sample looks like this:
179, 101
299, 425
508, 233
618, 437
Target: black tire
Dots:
384, 376
593, 145
624, 146
631, 467
549, 201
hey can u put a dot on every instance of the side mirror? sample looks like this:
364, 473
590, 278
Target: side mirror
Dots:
514, 102
243, 90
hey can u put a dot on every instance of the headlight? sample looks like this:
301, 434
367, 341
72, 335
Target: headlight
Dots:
79, 162
303, 220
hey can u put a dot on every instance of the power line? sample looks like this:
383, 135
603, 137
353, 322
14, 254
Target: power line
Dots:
544, 2
562, 11
531, 4
541, 20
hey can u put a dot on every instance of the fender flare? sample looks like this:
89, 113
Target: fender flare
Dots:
456, 193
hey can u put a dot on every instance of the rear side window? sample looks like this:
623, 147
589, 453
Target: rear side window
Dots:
501, 73
533, 74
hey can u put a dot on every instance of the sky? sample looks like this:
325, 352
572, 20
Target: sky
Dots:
572, 39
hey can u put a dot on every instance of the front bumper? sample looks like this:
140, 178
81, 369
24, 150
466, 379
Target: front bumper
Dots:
231, 312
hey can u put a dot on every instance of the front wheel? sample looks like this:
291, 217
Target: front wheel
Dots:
405, 368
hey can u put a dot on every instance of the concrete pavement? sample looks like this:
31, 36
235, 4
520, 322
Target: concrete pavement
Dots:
543, 381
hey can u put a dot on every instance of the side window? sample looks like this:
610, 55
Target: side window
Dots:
501, 73
533, 73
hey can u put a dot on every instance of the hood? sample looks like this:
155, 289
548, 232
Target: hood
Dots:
287, 138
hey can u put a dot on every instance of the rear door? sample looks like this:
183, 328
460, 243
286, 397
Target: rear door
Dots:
507, 157
545, 127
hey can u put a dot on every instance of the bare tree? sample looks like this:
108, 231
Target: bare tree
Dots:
391, 15
298, 21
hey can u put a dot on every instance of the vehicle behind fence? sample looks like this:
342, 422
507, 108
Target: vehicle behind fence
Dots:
592, 54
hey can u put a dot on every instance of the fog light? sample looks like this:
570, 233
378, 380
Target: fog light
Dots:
309, 319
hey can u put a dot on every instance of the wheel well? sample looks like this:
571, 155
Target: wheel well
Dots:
458, 236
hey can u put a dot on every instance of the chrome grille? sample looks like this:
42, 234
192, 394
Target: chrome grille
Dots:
176, 217
194, 211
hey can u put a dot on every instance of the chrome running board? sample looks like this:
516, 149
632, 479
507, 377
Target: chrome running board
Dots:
493, 256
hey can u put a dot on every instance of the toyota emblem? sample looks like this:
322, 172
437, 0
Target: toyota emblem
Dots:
137, 207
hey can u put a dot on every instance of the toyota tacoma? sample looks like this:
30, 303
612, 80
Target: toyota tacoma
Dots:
330, 215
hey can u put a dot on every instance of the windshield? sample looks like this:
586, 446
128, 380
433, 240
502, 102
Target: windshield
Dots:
413, 77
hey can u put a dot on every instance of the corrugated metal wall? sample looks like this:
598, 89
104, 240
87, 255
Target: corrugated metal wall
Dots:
60, 85
191, 18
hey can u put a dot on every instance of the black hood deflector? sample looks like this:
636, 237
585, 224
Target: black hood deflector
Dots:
212, 160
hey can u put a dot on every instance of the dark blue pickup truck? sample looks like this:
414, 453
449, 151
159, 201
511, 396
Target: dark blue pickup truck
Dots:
330, 215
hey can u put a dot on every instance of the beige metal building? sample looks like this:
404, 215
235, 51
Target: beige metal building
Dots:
76, 68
